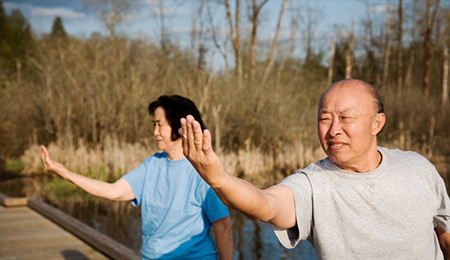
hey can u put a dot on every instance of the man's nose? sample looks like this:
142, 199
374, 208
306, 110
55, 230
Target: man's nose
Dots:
335, 128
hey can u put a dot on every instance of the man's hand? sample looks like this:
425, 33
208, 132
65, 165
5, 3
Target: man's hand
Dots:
198, 150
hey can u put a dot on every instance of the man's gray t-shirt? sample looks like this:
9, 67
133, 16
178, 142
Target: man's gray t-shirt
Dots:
387, 213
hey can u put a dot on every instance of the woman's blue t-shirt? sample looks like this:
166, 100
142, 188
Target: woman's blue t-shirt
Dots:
177, 209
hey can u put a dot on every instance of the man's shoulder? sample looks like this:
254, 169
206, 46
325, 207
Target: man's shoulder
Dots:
398, 154
405, 158
315, 168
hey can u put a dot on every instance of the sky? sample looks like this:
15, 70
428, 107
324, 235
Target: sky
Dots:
81, 21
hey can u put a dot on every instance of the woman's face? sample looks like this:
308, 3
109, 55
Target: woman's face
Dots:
163, 132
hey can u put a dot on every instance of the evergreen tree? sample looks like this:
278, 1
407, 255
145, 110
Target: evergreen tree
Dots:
58, 28
19, 41
4, 44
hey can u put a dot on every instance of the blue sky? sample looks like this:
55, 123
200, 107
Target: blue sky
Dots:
80, 21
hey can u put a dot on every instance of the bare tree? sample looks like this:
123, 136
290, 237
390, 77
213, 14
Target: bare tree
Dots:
309, 32
387, 47
222, 50
331, 62
256, 8
197, 35
162, 27
349, 55
294, 27
412, 50
235, 36
274, 45
400, 47
445, 78
428, 44
112, 12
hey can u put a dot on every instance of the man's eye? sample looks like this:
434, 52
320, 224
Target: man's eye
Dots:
346, 118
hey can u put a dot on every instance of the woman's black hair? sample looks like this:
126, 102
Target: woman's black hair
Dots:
176, 107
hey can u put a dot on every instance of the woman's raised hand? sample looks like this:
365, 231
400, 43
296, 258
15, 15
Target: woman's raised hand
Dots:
198, 150
50, 165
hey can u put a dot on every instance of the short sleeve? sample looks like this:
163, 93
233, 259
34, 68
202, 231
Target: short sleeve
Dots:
213, 206
136, 179
300, 186
442, 217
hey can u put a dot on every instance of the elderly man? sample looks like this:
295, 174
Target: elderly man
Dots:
361, 202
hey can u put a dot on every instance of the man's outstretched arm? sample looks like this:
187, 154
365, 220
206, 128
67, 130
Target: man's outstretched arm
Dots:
444, 241
274, 205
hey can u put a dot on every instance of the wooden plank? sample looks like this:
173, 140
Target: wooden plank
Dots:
12, 202
30, 233
105, 244
24, 234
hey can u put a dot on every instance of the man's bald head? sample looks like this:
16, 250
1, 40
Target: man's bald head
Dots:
379, 106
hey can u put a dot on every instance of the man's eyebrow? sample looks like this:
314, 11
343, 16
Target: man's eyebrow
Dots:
349, 110
156, 121
323, 111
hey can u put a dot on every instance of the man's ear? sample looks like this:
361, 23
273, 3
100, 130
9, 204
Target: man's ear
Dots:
378, 123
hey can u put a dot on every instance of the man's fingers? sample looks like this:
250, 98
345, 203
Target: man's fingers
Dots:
190, 132
184, 136
206, 140
198, 135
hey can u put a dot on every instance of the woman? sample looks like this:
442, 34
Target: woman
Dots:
177, 206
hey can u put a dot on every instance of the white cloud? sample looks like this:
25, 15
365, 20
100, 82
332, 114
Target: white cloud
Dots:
381, 9
61, 12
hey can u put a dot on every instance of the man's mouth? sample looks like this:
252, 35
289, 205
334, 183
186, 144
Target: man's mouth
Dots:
336, 145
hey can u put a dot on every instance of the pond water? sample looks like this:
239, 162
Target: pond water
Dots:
121, 221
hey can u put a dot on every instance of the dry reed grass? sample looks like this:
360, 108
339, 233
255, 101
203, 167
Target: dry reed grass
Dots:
117, 158
106, 163
262, 168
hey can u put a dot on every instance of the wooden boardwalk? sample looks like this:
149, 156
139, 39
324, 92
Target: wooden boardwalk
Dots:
27, 234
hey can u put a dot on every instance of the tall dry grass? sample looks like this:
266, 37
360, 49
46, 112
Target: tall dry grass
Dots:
116, 159
87, 100
107, 163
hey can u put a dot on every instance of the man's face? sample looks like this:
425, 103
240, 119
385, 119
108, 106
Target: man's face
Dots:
348, 125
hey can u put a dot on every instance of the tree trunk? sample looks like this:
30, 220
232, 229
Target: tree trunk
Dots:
331, 62
412, 53
235, 39
255, 22
400, 48
348, 57
216, 43
274, 44
445, 78
431, 15
387, 49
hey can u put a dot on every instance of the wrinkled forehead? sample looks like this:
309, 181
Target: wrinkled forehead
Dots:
349, 95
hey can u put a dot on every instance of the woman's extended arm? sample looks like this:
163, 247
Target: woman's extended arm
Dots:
224, 238
120, 190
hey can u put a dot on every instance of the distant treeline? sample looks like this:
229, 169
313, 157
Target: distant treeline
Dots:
69, 91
